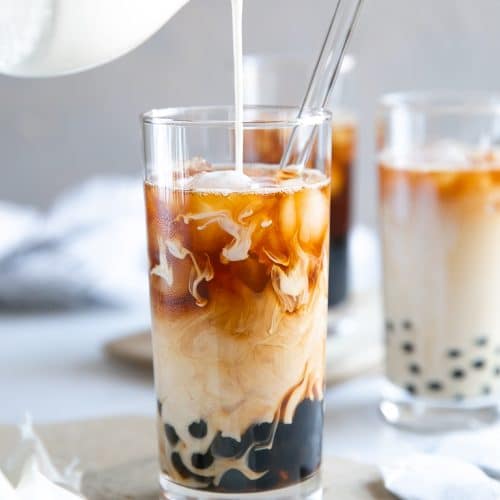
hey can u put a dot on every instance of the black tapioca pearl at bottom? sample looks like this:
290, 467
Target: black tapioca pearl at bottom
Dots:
411, 388
260, 460
179, 466
408, 347
481, 341
226, 447
458, 373
202, 460
486, 390
233, 481
454, 353
261, 432
414, 368
407, 325
435, 386
478, 364
172, 436
295, 453
198, 429
184, 471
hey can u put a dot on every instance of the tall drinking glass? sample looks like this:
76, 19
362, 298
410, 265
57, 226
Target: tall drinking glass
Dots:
439, 171
239, 290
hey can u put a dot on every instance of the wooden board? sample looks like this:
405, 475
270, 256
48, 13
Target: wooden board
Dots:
354, 349
118, 458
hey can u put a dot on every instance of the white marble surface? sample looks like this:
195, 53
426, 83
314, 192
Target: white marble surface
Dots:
53, 366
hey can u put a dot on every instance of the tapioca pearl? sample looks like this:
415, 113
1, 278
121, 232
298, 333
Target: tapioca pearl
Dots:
481, 341
486, 390
407, 325
389, 326
458, 373
261, 432
259, 460
234, 480
435, 386
497, 371
179, 465
171, 435
184, 471
226, 447
454, 353
478, 364
198, 429
411, 388
408, 347
202, 460
415, 369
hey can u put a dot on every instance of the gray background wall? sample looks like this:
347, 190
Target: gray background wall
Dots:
54, 133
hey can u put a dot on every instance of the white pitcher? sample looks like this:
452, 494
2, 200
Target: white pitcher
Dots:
41, 38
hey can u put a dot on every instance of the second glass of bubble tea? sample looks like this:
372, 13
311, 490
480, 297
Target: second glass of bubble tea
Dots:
439, 171
238, 281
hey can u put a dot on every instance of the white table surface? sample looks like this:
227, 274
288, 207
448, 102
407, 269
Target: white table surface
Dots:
52, 365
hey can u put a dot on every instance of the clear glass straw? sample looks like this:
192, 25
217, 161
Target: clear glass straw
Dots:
324, 75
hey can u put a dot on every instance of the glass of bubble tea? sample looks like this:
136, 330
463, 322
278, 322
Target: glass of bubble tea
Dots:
239, 292
439, 202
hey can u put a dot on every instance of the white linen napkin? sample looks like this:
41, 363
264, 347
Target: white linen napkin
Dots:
436, 477
90, 247
481, 447
29, 473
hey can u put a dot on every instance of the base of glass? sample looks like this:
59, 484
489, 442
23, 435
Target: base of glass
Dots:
309, 489
430, 415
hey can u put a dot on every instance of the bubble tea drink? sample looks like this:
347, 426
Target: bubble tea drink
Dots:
440, 224
239, 278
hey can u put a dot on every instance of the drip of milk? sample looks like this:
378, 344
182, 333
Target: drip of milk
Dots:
237, 8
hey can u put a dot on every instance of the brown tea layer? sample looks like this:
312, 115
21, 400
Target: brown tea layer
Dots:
449, 187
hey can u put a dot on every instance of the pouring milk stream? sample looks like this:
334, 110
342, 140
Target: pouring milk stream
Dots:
237, 7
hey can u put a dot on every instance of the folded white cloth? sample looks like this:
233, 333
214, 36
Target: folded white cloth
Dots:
90, 247
481, 447
29, 473
436, 477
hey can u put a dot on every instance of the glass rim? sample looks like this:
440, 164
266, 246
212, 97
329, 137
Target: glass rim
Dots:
442, 101
176, 117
